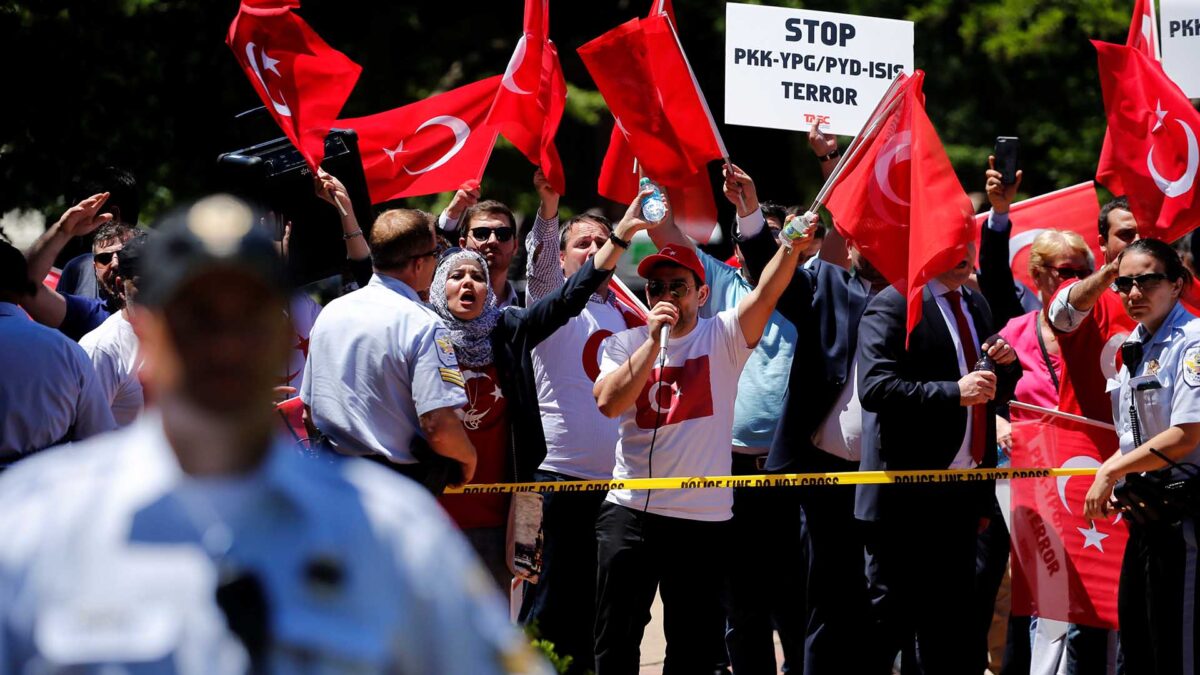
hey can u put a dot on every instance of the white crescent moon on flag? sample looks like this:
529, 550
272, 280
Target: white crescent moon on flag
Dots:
461, 132
898, 149
514, 64
1183, 184
1020, 241
280, 108
1076, 462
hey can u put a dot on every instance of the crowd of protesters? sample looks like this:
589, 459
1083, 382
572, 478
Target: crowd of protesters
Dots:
168, 347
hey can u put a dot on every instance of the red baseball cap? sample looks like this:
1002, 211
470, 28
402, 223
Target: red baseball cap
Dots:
680, 256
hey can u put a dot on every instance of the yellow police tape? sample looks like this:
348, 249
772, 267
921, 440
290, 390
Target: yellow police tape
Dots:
774, 480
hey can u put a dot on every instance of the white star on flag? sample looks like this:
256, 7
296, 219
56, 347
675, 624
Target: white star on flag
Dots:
392, 153
269, 63
1092, 537
1160, 114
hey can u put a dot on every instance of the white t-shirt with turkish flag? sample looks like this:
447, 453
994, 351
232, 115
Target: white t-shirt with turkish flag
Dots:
691, 401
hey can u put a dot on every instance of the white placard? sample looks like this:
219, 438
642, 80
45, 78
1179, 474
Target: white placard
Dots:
1181, 43
787, 68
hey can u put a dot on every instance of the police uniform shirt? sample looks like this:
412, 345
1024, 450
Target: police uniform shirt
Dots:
1171, 366
378, 359
49, 393
113, 555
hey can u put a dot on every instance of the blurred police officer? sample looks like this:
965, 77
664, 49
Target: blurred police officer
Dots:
193, 541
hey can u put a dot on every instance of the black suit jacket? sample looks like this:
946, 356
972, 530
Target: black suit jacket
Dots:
912, 418
824, 303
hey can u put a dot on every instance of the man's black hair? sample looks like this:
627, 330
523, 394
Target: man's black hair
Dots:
1118, 203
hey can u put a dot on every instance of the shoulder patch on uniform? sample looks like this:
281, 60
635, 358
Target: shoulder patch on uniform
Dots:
445, 348
453, 376
1191, 367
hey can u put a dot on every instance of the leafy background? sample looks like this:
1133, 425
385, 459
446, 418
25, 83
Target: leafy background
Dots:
151, 86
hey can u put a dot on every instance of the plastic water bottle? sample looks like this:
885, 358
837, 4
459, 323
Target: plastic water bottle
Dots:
653, 206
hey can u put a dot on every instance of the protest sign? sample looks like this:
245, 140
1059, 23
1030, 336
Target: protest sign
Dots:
788, 68
1181, 43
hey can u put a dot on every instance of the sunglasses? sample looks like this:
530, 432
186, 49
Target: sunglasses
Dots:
676, 287
482, 234
104, 258
1068, 272
1144, 282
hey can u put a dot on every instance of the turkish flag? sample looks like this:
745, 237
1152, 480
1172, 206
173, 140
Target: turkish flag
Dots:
1075, 208
1154, 148
640, 56
430, 146
529, 104
302, 81
1065, 567
675, 394
899, 201
632, 309
1142, 37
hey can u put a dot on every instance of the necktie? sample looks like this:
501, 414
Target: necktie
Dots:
971, 356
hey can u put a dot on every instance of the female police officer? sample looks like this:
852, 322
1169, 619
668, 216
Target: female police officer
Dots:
1156, 402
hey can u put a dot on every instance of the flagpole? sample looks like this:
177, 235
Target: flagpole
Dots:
888, 103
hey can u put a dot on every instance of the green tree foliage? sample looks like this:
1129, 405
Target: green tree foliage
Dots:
150, 85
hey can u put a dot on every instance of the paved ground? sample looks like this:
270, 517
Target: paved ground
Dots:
654, 646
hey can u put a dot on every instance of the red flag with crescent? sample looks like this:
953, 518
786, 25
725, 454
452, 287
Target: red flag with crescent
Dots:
1072, 208
532, 95
645, 55
1065, 567
1155, 152
431, 146
676, 393
1143, 37
899, 201
302, 81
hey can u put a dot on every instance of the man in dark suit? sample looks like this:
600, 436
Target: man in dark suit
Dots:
820, 430
927, 408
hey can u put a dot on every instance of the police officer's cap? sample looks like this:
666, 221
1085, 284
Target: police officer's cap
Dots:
217, 232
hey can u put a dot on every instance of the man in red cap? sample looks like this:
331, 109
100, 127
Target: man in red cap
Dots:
675, 404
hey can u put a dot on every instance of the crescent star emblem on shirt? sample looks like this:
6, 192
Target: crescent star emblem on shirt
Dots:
653, 396
270, 64
1183, 184
459, 128
514, 65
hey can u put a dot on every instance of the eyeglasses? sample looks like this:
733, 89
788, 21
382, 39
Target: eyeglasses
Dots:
1068, 272
676, 287
1145, 282
104, 258
482, 234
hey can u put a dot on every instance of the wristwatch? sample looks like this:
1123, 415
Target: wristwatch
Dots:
617, 241
833, 154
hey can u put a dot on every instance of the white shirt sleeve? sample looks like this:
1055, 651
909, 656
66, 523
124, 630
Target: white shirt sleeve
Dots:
448, 226
750, 225
93, 412
997, 222
1062, 315
615, 350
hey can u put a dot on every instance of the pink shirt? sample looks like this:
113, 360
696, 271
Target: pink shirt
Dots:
1035, 387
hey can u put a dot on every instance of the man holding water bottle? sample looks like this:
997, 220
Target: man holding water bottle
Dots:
672, 386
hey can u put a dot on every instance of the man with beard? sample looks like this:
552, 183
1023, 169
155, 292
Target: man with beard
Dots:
488, 227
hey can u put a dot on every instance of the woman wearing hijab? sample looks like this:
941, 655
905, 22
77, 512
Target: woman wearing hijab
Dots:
494, 349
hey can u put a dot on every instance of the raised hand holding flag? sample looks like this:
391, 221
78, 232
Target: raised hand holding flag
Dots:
302, 81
